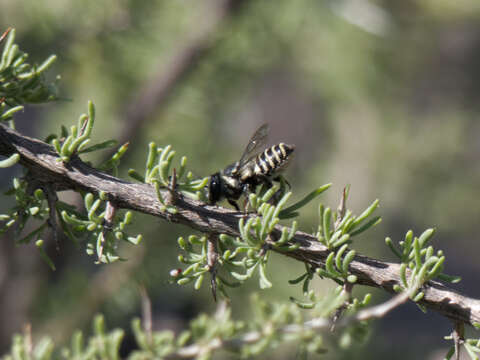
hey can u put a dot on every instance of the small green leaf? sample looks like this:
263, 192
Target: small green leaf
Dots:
32, 234
100, 146
135, 240
366, 213
347, 260
46, 64
425, 237
303, 305
338, 256
10, 161
418, 297
373, 222
403, 275
198, 282
389, 243
449, 278
352, 279
330, 267
7, 115
345, 239
43, 254
264, 282
299, 279
184, 281
135, 175
309, 197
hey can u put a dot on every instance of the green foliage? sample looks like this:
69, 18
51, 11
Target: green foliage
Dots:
195, 259
270, 326
419, 263
291, 211
77, 140
104, 237
249, 252
23, 349
10, 161
6, 114
157, 172
336, 265
255, 232
472, 346
102, 345
28, 204
337, 229
20, 82
114, 161
39, 244
340, 298
336, 232
105, 233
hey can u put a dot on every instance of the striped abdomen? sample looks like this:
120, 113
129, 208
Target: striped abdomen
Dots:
272, 160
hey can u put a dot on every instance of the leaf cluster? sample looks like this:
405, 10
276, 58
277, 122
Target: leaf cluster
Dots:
248, 252
419, 263
158, 172
79, 137
104, 234
271, 325
337, 228
21, 82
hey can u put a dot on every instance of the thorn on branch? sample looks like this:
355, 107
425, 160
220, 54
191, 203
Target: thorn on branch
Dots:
107, 225
212, 262
172, 196
347, 288
5, 33
342, 207
458, 336
52, 200
81, 131
28, 340
146, 313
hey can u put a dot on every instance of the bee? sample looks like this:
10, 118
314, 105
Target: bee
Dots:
256, 166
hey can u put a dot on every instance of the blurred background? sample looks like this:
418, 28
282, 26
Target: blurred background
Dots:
381, 95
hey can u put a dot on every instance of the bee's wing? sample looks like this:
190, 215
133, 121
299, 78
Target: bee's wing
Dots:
255, 145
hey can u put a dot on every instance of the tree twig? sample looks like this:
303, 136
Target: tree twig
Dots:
40, 158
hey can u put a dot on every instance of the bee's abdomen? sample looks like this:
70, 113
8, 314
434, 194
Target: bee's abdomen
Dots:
273, 159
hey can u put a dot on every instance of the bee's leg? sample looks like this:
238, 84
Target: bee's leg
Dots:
266, 181
246, 204
281, 179
280, 192
234, 204
247, 190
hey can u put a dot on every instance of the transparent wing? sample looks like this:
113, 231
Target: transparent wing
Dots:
255, 145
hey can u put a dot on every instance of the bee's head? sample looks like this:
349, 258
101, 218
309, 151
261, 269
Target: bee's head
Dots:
214, 188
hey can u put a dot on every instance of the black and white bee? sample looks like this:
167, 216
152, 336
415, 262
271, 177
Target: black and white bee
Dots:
256, 166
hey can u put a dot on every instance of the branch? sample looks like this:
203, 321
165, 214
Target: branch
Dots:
41, 160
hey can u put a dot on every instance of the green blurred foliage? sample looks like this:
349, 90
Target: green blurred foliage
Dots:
377, 94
